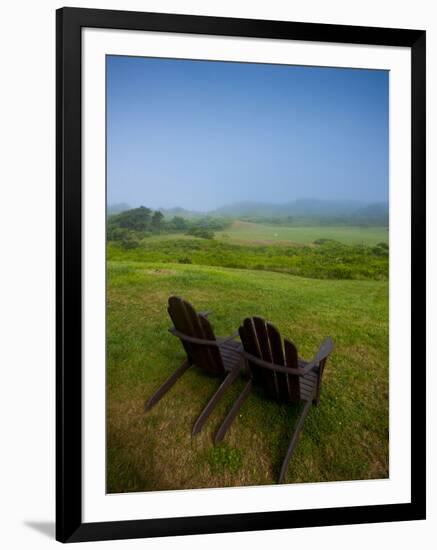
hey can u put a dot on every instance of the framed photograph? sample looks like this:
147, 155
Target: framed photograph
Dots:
240, 274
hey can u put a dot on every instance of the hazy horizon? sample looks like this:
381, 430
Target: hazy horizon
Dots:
351, 202
200, 135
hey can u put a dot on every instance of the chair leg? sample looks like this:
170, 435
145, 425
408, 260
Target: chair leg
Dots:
233, 413
204, 415
294, 440
168, 384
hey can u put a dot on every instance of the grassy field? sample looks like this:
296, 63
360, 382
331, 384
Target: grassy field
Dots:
241, 231
329, 260
344, 438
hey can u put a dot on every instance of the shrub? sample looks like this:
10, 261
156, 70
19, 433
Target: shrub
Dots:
185, 260
201, 232
325, 241
381, 249
129, 243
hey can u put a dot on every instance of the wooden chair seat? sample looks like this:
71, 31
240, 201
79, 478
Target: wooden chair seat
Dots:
230, 352
308, 383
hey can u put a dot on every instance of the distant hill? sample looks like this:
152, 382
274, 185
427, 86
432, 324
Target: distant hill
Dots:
300, 207
301, 211
248, 208
375, 212
117, 208
181, 212
319, 207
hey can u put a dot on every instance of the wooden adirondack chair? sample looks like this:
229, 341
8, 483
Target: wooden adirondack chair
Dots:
217, 356
274, 365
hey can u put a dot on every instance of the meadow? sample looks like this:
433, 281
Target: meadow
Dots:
243, 231
338, 287
326, 260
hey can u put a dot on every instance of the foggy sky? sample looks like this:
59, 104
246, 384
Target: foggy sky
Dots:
200, 134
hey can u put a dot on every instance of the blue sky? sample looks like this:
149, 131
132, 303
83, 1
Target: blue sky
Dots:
200, 134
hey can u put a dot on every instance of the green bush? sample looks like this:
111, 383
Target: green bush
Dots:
185, 261
324, 241
201, 232
129, 243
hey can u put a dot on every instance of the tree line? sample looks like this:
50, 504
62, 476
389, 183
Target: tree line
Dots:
130, 226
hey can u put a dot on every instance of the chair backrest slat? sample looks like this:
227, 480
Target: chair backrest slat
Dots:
264, 341
270, 377
187, 321
278, 358
201, 353
176, 310
252, 344
215, 362
291, 360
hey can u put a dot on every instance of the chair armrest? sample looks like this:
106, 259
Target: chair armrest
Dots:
277, 368
205, 313
201, 341
324, 350
191, 339
326, 347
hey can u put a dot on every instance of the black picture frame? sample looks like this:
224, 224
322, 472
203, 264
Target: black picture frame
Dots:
69, 525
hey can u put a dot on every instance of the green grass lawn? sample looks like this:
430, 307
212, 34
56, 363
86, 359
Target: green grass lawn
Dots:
241, 231
344, 438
